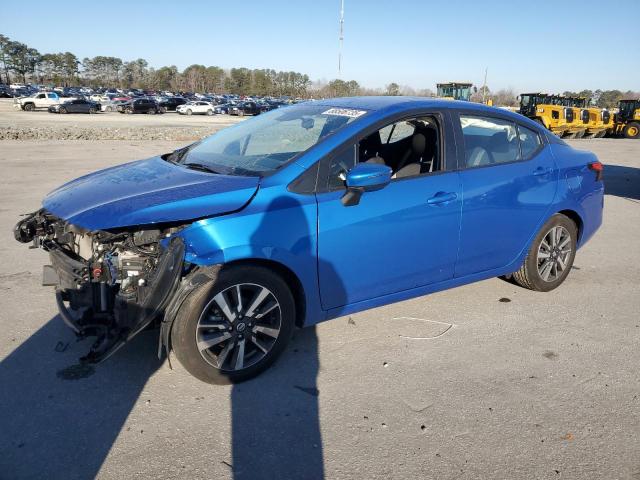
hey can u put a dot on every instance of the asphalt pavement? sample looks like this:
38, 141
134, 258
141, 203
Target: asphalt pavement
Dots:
486, 381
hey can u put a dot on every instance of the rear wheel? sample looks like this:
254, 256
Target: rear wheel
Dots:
550, 257
632, 130
234, 327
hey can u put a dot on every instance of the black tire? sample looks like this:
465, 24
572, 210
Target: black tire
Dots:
529, 276
632, 130
62, 110
185, 326
92, 110
29, 107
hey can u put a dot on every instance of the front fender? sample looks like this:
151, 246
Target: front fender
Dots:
277, 226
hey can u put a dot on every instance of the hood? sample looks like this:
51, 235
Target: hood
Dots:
146, 192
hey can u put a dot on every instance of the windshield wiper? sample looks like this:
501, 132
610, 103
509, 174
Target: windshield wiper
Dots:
200, 166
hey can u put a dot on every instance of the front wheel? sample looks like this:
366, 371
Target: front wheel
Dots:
632, 130
234, 327
209, 112
62, 110
550, 257
189, 112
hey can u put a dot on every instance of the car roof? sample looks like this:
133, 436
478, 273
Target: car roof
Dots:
400, 103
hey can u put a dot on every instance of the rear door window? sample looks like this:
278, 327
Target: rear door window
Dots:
489, 141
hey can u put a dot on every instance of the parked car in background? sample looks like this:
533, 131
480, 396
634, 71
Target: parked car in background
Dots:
39, 100
112, 105
139, 105
245, 108
171, 103
222, 108
75, 106
194, 108
309, 213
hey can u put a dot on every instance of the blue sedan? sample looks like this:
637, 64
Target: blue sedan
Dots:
307, 213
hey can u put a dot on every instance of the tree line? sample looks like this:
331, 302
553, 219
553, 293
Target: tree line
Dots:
20, 62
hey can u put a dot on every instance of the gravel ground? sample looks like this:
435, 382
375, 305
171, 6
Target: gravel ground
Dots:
42, 125
502, 383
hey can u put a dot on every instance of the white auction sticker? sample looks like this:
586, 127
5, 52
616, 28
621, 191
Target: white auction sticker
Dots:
345, 112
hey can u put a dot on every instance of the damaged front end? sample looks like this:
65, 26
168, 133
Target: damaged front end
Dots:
109, 284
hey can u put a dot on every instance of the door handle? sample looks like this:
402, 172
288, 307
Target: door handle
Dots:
541, 171
442, 197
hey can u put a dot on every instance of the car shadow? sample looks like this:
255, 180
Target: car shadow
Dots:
622, 181
59, 419
275, 417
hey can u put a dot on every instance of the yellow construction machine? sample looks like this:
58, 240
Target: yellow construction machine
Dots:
577, 127
454, 90
599, 122
547, 110
627, 120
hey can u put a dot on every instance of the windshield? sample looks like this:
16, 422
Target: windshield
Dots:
626, 107
265, 143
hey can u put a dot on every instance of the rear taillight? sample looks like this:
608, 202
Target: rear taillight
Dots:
598, 168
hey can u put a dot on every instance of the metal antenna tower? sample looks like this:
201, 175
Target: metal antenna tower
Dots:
341, 38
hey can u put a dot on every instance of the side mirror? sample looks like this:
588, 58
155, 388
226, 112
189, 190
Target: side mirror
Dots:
365, 177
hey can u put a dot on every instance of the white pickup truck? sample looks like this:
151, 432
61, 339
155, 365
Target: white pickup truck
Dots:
39, 100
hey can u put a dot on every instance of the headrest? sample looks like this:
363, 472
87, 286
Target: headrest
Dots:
418, 143
499, 142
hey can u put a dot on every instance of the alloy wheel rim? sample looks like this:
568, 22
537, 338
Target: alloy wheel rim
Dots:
554, 253
238, 327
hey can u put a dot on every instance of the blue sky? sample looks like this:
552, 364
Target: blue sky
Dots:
548, 45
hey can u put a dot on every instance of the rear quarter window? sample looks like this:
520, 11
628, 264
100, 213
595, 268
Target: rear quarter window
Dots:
530, 142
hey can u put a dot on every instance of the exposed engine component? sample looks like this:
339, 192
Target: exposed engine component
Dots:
108, 284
